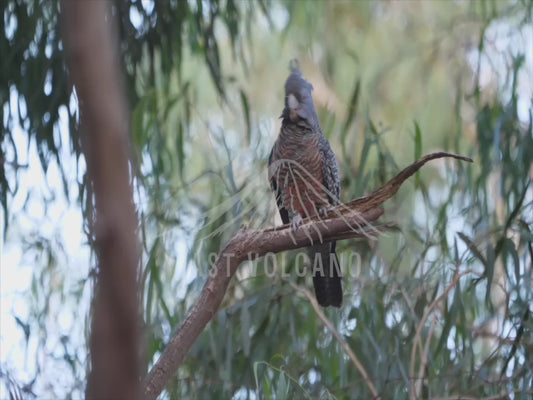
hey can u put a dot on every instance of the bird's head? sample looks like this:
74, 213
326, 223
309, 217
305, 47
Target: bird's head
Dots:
298, 98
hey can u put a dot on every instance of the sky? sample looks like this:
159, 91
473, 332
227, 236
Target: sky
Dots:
61, 222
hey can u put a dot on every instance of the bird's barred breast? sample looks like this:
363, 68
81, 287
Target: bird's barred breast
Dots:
299, 175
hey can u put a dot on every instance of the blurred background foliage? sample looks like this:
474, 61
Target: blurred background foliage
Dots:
439, 307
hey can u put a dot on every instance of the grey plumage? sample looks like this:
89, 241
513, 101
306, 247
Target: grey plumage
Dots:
304, 176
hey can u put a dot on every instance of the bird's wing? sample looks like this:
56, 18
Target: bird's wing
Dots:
284, 214
330, 171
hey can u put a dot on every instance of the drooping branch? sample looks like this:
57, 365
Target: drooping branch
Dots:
379, 196
93, 57
353, 219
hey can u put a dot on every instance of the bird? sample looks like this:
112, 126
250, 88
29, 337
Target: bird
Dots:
304, 177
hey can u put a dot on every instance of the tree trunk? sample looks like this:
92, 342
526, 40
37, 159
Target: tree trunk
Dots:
93, 56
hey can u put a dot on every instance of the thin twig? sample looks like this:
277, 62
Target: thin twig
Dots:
339, 338
414, 393
424, 357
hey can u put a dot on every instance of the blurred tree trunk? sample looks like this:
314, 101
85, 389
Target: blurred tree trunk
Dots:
93, 55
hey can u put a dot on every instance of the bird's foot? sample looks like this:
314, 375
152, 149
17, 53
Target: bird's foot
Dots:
323, 212
296, 222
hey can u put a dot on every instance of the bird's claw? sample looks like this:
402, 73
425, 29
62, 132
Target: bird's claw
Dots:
296, 222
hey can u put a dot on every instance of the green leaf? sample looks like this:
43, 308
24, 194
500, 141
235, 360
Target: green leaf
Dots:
489, 271
267, 388
352, 108
418, 150
473, 249
25, 327
418, 141
282, 387
246, 111
509, 250
245, 329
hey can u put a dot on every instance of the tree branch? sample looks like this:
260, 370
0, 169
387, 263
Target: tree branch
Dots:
353, 219
93, 57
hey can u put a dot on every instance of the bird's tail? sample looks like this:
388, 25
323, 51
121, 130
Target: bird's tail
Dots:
326, 274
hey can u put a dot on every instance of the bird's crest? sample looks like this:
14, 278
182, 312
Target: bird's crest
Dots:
294, 66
